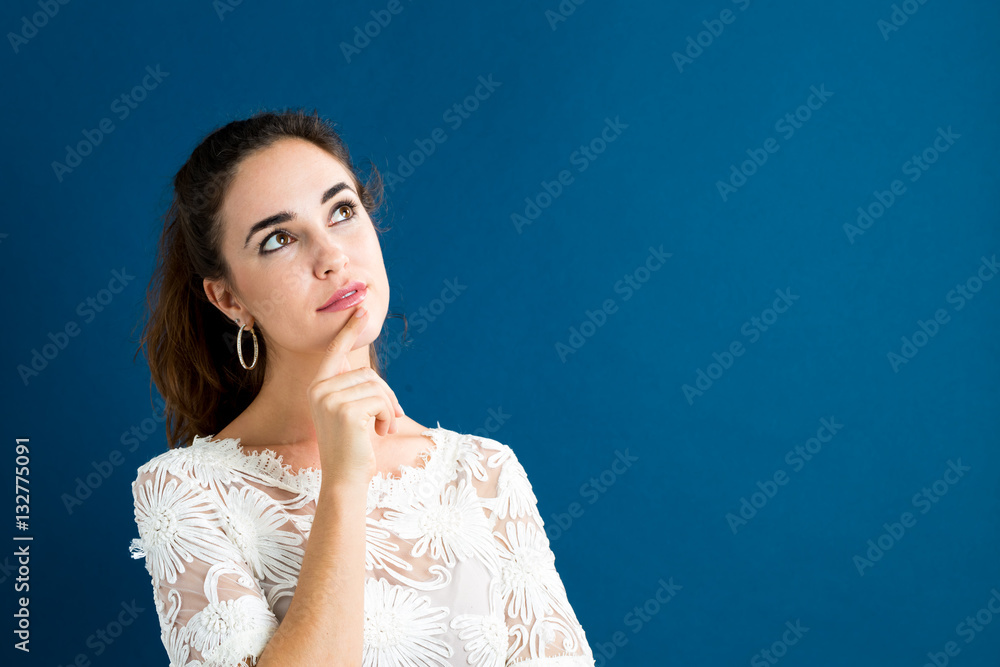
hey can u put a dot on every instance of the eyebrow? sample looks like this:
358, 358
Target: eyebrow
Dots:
285, 216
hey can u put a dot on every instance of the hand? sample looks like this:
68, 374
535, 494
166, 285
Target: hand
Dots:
343, 403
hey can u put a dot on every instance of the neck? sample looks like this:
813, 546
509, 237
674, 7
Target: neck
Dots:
281, 412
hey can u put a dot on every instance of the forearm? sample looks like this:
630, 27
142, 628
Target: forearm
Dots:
324, 624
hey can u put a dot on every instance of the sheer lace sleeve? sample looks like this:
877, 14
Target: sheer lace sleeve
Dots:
211, 609
543, 630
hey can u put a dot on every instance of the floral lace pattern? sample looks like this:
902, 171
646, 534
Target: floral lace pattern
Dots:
459, 570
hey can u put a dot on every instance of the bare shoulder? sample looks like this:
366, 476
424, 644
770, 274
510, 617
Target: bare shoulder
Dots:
232, 431
408, 426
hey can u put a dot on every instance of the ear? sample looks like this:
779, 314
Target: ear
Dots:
222, 298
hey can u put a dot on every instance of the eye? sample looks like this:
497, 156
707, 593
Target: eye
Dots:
346, 207
278, 233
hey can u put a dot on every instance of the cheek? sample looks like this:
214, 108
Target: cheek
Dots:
278, 291
372, 254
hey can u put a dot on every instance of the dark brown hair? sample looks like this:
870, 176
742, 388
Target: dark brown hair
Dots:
189, 344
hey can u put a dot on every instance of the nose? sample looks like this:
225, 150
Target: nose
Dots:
328, 257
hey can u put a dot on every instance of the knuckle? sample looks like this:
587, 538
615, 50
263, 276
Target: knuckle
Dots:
330, 403
349, 412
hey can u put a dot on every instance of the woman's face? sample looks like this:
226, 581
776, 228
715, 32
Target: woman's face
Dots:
317, 239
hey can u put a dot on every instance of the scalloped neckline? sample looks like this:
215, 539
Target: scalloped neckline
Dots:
310, 477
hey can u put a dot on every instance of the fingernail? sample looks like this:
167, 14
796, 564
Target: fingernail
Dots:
360, 312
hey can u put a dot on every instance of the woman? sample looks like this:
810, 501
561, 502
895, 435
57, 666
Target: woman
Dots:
309, 521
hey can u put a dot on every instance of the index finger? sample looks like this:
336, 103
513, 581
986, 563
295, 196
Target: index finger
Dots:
341, 344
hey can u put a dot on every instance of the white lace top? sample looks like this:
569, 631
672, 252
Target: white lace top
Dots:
459, 570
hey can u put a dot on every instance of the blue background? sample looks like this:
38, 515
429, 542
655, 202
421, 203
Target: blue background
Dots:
664, 518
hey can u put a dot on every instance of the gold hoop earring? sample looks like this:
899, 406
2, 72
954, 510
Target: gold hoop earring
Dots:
239, 347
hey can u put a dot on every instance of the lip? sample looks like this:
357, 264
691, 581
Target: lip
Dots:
339, 301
